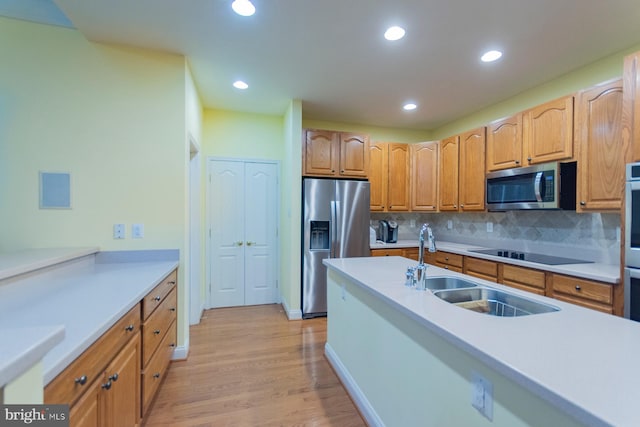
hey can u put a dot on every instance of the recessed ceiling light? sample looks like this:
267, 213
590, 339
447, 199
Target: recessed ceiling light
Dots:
394, 33
409, 106
491, 56
243, 7
240, 85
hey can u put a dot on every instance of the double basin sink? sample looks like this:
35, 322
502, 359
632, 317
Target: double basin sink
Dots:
467, 294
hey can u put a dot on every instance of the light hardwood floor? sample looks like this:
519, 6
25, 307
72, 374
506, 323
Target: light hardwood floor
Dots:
251, 366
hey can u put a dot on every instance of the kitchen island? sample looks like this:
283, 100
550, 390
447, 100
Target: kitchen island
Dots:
410, 358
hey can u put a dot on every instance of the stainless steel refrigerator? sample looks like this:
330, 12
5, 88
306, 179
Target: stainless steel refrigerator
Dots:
335, 221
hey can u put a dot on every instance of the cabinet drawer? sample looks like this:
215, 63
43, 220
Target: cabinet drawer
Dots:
520, 276
582, 288
387, 252
155, 297
411, 253
82, 372
481, 268
155, 328
605, 308
154, 372
449, 259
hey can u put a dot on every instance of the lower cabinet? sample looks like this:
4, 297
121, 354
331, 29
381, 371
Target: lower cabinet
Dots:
481, 268
411, 253
587, 293
449, 261
526, 279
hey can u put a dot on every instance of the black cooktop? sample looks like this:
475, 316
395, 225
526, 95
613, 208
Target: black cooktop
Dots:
531, 257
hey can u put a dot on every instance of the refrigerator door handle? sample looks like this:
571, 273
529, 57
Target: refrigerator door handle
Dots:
333, 231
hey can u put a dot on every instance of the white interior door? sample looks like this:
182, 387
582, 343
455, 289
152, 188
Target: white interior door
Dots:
243, 204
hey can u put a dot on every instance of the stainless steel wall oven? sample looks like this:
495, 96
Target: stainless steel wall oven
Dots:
632, 243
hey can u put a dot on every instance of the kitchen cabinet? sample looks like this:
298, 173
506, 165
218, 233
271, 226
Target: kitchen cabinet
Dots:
504, 143
389, 177
600, 149
471, 169
526, 279
548, 131
583, 292
411, 253
481, 268
631, 105
119, 403
449, 261
448, 181
335, 154
424, 176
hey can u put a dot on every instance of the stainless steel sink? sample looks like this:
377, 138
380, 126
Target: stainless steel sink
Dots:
438, 283
493, 302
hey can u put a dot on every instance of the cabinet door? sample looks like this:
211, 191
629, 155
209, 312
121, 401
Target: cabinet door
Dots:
449, 174
120, 400
398, 177
378, 170
354, 155
504, 143
472, 167
84, 413
600, 148
424, 176
548, 131
321, 153
631, 105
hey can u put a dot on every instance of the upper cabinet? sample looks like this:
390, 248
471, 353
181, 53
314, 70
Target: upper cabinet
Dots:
389, 177
424, 176
449, 173
600, 149
472, 170
548, 131
631, 105
335, 154
504, 143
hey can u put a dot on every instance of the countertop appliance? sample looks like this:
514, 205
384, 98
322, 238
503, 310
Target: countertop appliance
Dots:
632, 243
335, 221
388, 231
544, 186
531, 257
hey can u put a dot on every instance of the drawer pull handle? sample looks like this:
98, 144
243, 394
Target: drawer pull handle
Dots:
172, 309
106, 385
173, 282
156, 332
578, 288
129, 328
172, 344
156, 375
114, 377
82, 380
157, 298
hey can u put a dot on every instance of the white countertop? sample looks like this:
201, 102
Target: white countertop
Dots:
580, 360
85, 296
607, 273
28, 260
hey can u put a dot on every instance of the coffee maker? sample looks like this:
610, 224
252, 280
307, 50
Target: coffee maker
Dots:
388, 231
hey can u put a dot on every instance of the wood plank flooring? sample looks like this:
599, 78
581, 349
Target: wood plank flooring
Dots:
251, 366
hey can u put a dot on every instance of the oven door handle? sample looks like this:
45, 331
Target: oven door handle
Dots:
538, 186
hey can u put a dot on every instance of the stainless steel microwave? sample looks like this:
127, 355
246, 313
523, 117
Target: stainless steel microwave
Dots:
544, 186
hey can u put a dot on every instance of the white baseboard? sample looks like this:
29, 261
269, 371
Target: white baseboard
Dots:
181, 352
358, 397
291, 314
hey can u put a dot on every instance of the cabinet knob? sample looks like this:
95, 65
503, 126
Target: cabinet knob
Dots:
446, 267
172, 309
583, 203
239, 243
156, 375
578, 288
455, 206
173, 282
172, 345
517, 162
462, 206
106, 385
156, 332
342, 171
333, 170
114, 377
82, 380
529, 159
157, 298
129, 328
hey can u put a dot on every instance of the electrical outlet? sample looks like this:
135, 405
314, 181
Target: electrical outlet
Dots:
137, 231
118, 231
412, 223
449, 224
489, 227
618, 234
482, 395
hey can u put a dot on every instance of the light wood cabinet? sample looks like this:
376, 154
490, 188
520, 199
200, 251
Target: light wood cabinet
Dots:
424, 176
335, 154
449, 261
389, 177
548, 131
631, 105
481, 268
526, 279
600, 149
411, 253
504, 143
120, 389
448, 181
471, 169
583, 292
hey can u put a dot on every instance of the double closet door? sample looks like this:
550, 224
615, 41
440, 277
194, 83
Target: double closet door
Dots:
243, 221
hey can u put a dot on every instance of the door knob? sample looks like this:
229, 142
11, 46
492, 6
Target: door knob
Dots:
239, 243
249, 243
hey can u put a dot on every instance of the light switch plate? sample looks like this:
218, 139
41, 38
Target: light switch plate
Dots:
137, 231
449, 224
118, 231
489, 227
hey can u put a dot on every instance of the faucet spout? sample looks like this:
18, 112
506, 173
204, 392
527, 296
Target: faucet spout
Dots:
431, 242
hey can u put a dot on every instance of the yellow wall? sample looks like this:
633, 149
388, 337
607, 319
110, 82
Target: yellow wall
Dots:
375, 133
113, 117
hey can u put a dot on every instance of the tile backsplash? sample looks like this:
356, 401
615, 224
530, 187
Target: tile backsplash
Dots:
590, 236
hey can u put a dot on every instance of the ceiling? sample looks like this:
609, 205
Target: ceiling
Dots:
332, 56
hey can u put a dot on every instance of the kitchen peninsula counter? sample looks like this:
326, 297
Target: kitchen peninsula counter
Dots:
70, 297
571, 367
607, 273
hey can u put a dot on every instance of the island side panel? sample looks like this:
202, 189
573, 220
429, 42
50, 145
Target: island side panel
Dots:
408, 375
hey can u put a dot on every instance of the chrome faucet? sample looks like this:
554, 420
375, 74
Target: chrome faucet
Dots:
431, 242
417, 276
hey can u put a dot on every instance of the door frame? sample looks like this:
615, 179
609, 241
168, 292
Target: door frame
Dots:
208, 202
196, 305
